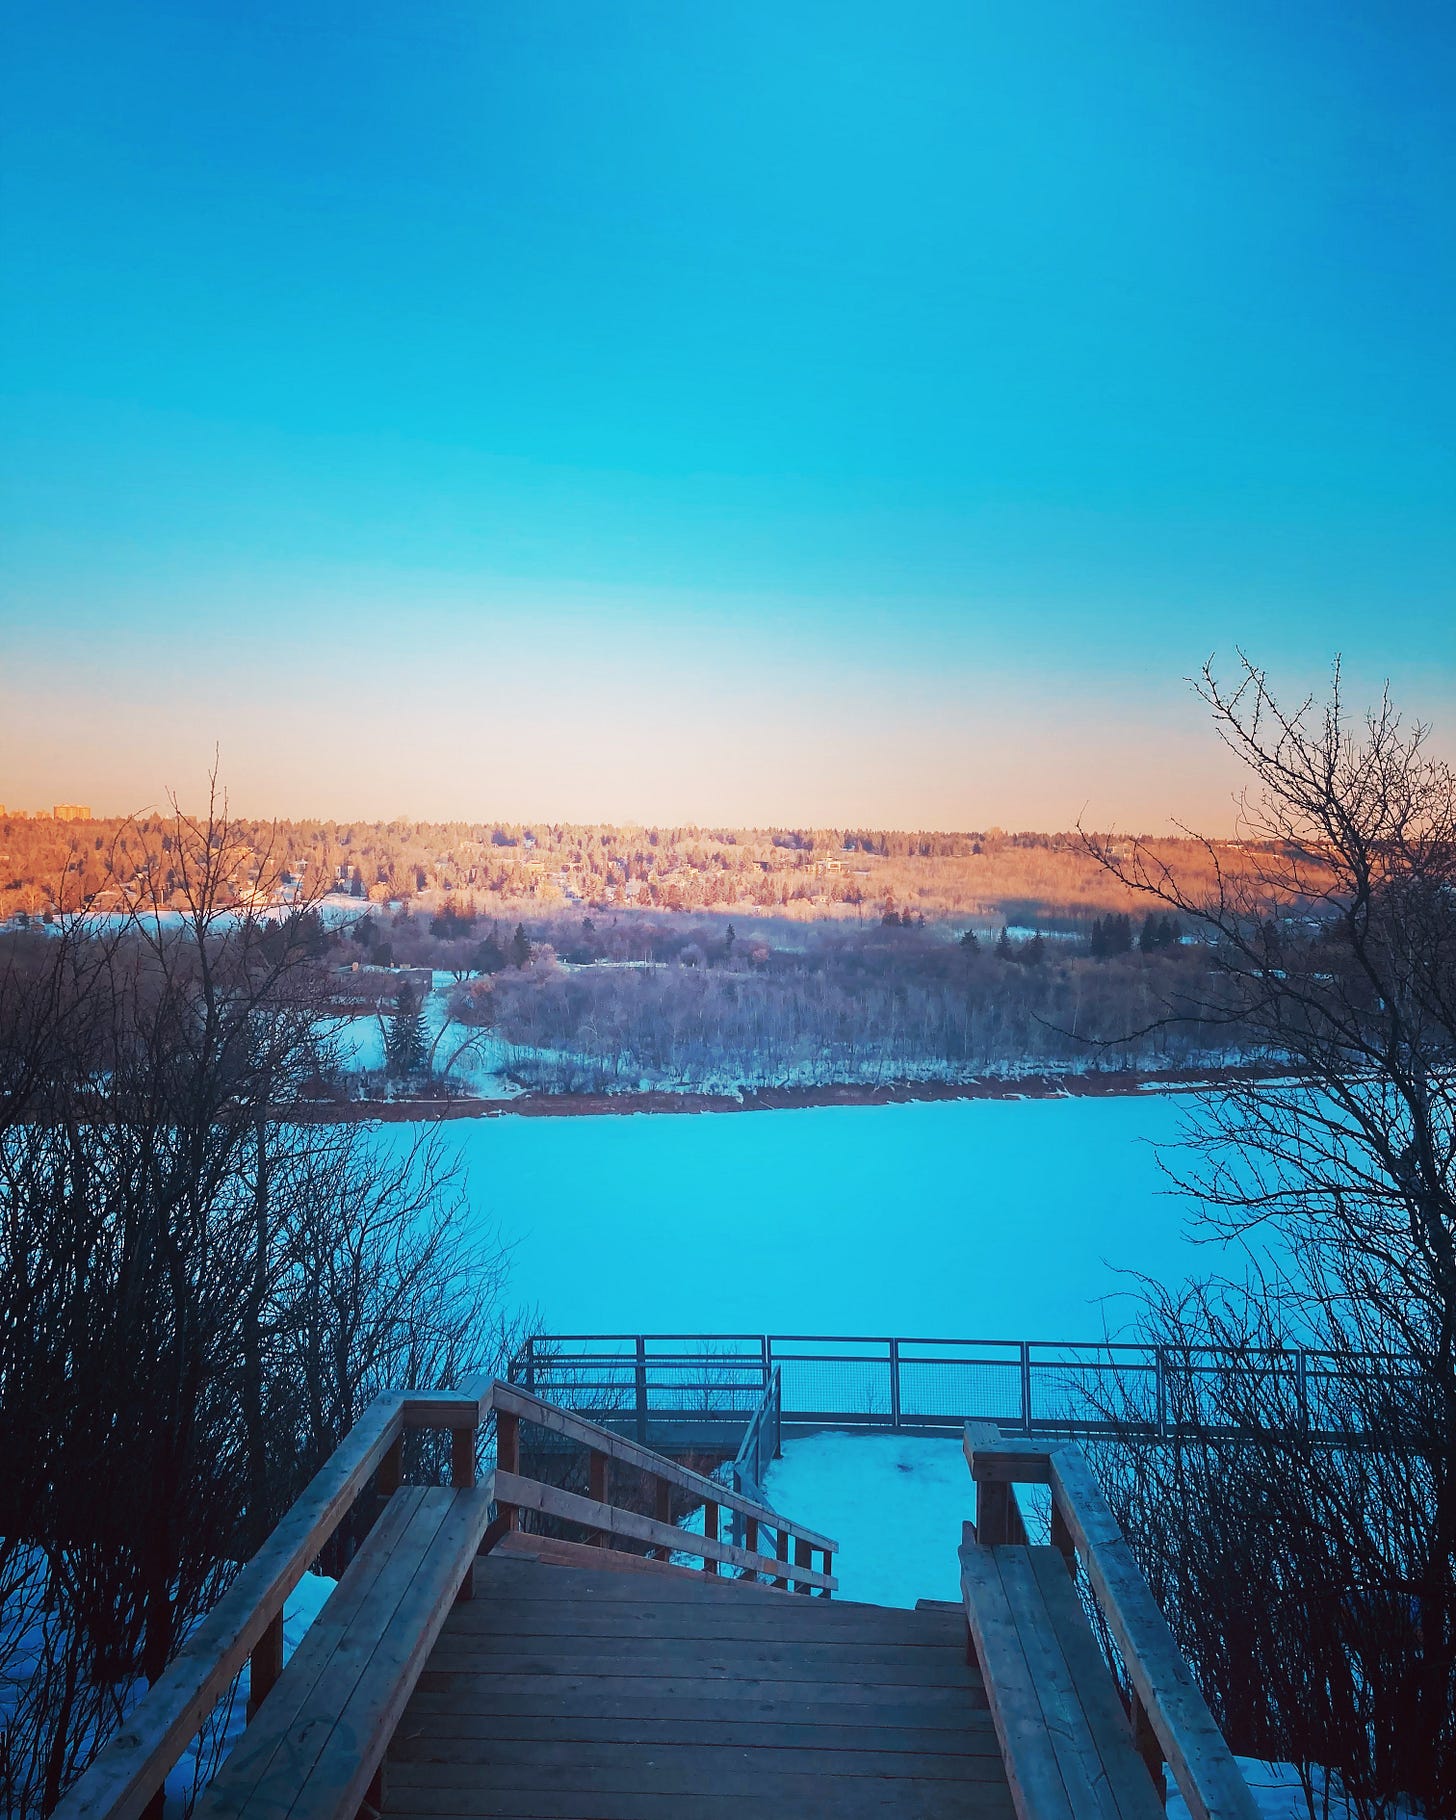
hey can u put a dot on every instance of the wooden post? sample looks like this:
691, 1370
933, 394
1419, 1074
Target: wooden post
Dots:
599, 1466
894, 1383
265, 1664
508, 1457
710, 1532
462, 1458
803, 1557
993, 1513
750, 1542
781, 1550
390, 1476
1145, 1742
662, 1510
1026, 1387
828, 1569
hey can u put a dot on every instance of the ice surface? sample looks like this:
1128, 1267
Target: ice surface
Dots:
963, 1218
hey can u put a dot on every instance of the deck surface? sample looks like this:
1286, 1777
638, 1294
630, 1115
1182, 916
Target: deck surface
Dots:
596, 1693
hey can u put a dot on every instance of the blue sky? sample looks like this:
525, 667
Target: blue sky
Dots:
749, 412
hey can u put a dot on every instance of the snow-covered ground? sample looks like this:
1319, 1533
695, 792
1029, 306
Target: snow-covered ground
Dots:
962, 1218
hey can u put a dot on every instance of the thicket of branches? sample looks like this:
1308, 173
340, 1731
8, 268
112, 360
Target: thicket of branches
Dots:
1313, 1584
197, 1296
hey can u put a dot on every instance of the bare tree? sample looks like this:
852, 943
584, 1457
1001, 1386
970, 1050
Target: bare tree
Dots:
1335, 944
197, 1292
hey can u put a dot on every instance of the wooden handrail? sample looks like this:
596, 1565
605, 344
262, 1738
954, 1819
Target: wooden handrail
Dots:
133, 1765
127, 1775
1166, 1700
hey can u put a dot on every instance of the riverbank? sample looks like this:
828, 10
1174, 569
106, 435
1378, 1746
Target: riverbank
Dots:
779, 1099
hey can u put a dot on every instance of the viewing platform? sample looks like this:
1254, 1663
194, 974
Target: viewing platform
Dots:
572, 1636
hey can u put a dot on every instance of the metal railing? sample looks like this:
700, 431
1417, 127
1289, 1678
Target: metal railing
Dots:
700, 1389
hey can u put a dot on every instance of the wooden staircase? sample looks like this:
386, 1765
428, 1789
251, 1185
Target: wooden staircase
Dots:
605, 1687
474, 1661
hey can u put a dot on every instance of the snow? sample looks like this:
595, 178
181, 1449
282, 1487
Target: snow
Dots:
961, 1218
867, 1491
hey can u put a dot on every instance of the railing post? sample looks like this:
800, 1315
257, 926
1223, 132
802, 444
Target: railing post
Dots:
641, 1386
777, 1384
462, 1458
894, 1383
265, 1664
1145, 1743
710, 1533
531, 1364
1160, 1367
803, 1557
1026, 1387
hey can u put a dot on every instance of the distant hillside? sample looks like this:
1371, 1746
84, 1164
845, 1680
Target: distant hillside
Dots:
48, 864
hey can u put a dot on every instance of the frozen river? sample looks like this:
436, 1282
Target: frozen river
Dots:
964, 1218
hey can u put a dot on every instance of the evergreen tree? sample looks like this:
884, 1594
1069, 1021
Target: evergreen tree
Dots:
969, 942
520, 947
404, 1041
1151, 936
488, 957
1004, 950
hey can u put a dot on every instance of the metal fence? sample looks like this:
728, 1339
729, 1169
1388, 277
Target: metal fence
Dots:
700, 1389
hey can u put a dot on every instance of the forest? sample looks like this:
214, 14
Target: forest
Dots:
993, 876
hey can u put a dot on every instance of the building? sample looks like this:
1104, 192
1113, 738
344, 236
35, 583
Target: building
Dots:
72, 812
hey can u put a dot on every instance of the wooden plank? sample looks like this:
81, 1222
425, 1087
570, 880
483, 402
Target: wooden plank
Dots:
620, 1792
687, 1697
459, 1762
1066, 1728
1037, 1788
132, 1766
733, 1662
1202, 1764
508, 1615
602, 1795
529, 1494
422, 1733
1101, 1703
479, 1653
510, 1397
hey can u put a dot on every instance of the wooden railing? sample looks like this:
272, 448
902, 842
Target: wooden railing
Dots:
794, 1546
246, 1626
1167, 1713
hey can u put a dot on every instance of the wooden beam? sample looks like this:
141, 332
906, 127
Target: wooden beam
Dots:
553, 1501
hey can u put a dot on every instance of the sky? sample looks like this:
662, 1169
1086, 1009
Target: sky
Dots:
760, 413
